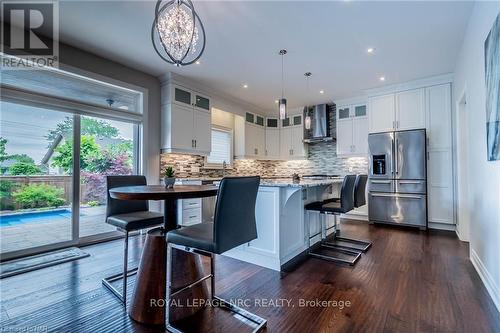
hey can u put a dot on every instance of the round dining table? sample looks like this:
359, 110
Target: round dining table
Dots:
147, 305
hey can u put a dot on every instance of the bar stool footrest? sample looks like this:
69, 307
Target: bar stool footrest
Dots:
349, 243
346, 256
107, 282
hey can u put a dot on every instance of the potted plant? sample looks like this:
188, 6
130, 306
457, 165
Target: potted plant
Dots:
169, 178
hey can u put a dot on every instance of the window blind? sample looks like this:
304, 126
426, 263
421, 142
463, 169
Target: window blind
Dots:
221, 147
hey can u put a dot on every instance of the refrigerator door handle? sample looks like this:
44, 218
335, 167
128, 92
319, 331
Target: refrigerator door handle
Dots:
410, 181
380, 181
381, 195
396, 157
392, 163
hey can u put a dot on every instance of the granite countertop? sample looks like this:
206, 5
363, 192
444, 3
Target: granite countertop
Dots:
285, 182
278, 182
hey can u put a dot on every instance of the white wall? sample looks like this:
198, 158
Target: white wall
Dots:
484, 194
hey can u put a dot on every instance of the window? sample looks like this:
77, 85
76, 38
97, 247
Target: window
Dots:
222, 147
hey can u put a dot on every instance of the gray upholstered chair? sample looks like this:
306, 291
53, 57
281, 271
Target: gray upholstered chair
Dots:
234, 224
127, 216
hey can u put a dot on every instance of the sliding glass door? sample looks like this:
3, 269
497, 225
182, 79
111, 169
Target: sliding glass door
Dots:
107, 147
47, 200
36, 182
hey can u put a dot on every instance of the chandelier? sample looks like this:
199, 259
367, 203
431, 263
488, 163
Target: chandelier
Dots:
177, 29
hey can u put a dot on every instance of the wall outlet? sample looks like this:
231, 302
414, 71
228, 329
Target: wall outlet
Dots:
351, 169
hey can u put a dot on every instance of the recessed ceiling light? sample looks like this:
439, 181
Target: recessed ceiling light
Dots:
276, 101
370, 50
197, 62
245, 86
321, 91
382, 78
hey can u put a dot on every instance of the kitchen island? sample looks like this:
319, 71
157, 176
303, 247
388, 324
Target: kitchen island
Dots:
282, 221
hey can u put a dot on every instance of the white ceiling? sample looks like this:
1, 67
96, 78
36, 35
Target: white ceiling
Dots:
412, 40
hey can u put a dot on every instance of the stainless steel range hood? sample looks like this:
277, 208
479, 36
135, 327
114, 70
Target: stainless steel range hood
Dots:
320, 124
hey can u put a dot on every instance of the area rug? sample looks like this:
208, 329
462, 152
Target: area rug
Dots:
28, 264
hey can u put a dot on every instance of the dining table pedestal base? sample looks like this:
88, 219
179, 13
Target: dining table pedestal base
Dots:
148, 304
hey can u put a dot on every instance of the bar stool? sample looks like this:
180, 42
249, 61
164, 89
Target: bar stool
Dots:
234, 225
335, 207
127, 216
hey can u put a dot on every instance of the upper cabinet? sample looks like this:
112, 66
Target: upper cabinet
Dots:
272, 139
381, 113
291, 138
185, 121
396, 112
410, 111
250, 136
352, 130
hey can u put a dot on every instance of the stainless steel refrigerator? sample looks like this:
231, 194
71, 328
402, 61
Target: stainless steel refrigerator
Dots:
397, 185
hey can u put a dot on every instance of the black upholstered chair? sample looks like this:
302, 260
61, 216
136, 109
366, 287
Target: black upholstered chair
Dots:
127, 216
234, 224
327, 250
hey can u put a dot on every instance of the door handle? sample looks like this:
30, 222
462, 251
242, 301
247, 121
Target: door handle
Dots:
380, 181
195, 143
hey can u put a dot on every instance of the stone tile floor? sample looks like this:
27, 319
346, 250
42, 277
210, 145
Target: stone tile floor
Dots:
50, 229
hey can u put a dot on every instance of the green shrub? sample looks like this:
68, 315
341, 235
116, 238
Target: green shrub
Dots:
93, 203
38, 196
6, 189
22, 168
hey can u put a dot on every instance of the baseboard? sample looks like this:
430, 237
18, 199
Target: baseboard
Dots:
441, 226
485, 276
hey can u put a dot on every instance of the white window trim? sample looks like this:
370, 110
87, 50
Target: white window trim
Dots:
229, 165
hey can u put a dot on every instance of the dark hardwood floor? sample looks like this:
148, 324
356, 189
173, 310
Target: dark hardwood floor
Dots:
409, 281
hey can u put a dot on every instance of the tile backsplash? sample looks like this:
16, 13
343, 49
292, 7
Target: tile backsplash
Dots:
322, 159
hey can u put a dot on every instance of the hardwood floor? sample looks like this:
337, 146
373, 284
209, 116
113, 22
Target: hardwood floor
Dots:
409, 281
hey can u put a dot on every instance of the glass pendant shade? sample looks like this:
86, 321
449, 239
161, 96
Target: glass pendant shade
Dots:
307, 122
282, 107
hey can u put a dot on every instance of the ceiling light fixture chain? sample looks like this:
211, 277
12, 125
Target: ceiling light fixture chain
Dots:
176, 27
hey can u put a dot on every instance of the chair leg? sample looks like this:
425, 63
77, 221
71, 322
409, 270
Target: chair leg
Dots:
340, 255
169, 286
348, 243
258, 322
107, 281
125, 269
212, 280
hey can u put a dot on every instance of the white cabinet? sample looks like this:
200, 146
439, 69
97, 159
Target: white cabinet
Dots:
250, 137
267, 220
439, 154
410, 113
344, 137
381, 113
352, 130
291, 138
360, 136
185, 120
396, 112
202, 132
272, 143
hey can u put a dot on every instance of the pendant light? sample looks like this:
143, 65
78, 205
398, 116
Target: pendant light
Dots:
282, 101
307, 119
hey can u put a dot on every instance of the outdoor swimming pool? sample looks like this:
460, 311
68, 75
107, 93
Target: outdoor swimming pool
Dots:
35, 217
